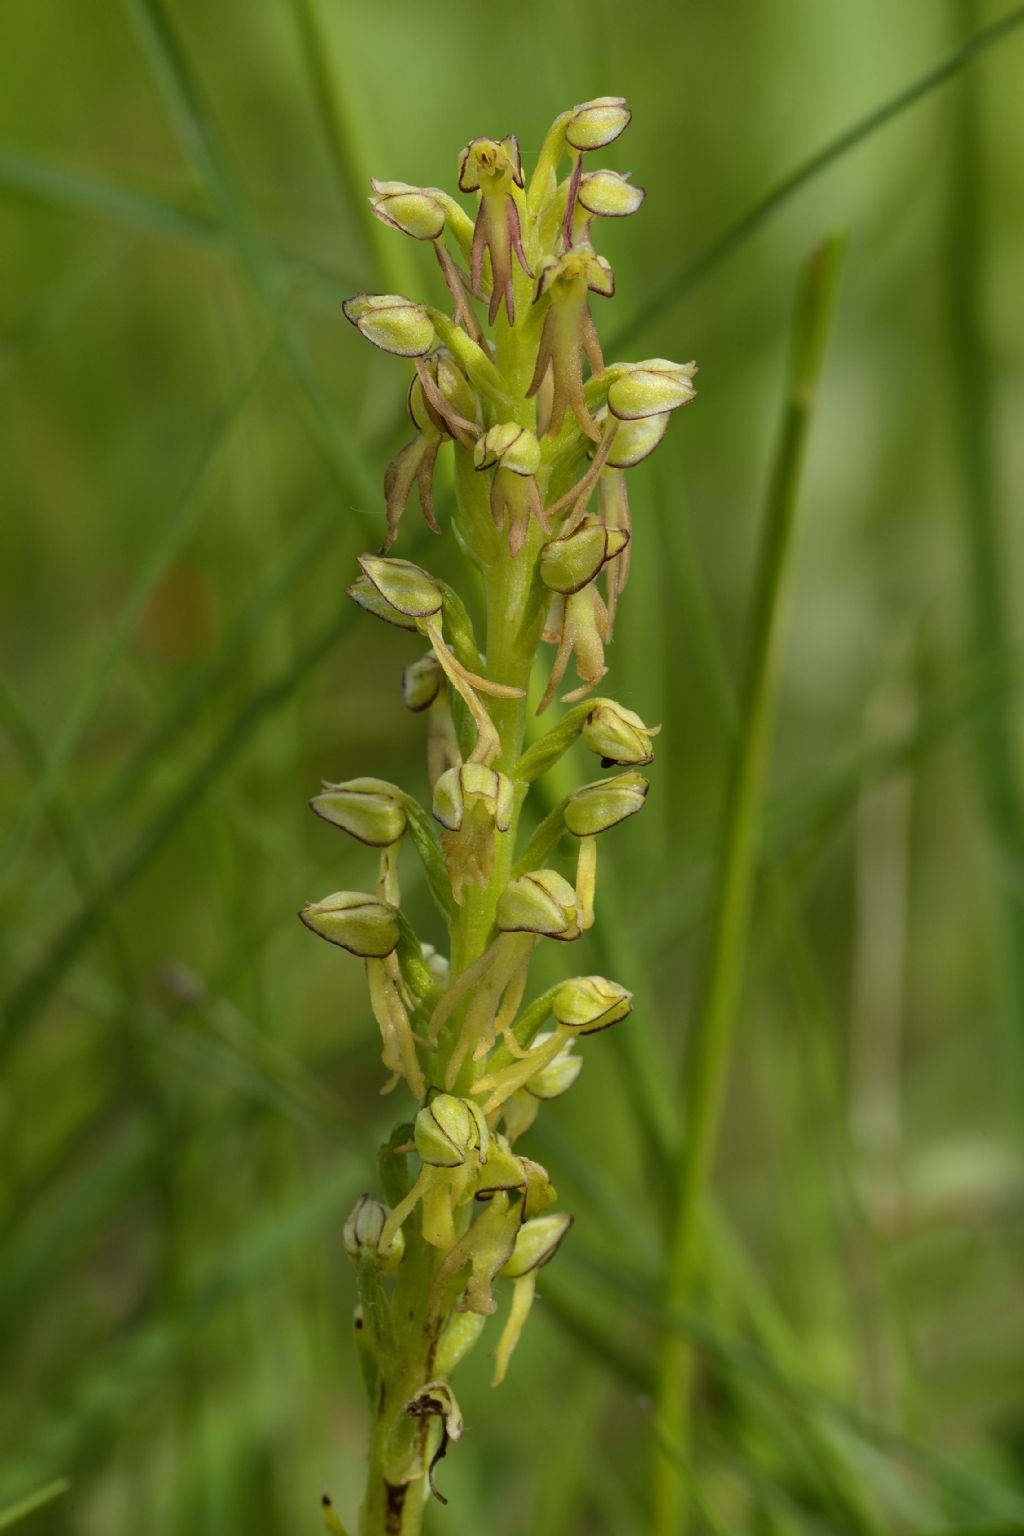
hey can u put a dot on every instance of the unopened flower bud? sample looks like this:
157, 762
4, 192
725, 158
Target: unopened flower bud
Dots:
416, 211
570, 563
541, 902
407, 588
392, 323
650, 388
371, 810
468, 782
449, 1130
363, 592
593, 124
421, 682
587, 1004
608, 194
356, 922
362, 1232
618, 736
513, 447
558, 1076
635, 440
537, 1243
605, 803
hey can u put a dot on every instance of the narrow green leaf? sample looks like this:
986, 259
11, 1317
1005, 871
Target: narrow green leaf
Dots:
34, 990
713, 254
28, 1506
201, 142
32, 180
708, 1058
170, 539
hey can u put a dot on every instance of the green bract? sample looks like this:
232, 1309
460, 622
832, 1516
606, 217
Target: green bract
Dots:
601, 805
356, 922
618, 735
590, 1003
542, 902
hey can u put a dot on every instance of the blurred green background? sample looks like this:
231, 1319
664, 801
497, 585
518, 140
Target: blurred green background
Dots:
192, 446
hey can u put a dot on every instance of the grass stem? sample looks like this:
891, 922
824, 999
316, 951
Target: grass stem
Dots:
708, 1056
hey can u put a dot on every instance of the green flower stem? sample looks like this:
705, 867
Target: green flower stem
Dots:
393, 1507
514, 619
985, 586
708, 1061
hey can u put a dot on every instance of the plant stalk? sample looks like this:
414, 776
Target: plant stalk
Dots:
709, 1054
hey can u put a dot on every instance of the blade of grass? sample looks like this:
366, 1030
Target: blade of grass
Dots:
830, 795
102, 1396
341, 118
56, 307
191, 702
38, 1255
716, 251
172, 535
822, 1084
47, 185
35, 180
975, 415
733, 1274
197, 133
34, 990
708, 1056
69, 835
28, 1506
985, 1498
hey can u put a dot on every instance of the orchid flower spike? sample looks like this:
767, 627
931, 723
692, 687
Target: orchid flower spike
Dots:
532, 439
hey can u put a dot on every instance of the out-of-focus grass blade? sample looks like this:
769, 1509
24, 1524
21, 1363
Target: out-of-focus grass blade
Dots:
827, 797
26, 744
37, 1256
988, 1499
166, 546
708, 1057
816, 809
34, 990
201, 143
103, 1394
985, 576
56, 186
56, 307
28, 1506
67, 831
334, 94
35, 180
730, 1274
655, 305
191, 701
